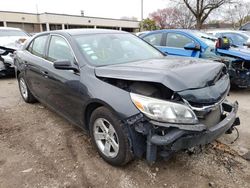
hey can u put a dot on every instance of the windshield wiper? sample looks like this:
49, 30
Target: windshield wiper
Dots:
209, 38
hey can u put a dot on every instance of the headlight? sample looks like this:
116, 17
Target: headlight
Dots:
164, 111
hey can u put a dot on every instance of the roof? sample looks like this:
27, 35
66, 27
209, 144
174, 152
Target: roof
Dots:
85, 31
72, 15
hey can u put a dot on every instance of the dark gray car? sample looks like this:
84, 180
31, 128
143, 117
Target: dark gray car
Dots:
131, 98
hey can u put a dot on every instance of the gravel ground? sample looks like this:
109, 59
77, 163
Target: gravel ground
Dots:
41, 149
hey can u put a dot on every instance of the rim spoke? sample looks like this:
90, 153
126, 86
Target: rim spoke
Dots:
106, 150
99, 136
114, 145
111, 130
102, 126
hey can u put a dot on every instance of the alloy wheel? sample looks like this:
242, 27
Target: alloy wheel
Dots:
106, 137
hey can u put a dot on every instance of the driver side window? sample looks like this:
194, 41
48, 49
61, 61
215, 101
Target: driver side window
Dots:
177, 40
59, 50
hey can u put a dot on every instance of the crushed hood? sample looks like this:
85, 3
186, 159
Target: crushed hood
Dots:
11, 41
176, 73
236, 52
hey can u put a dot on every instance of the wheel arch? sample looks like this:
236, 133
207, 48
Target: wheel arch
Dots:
90, 107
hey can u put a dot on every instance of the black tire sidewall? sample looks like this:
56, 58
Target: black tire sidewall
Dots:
124, 153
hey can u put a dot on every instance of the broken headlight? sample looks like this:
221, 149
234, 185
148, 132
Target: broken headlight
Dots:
164, 111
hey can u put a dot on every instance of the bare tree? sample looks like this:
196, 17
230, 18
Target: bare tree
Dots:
237, 13
184, 18
173, 17
201, 9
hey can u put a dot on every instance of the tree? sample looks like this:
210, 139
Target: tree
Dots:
237, 14
173, 17
148, 25
201, 9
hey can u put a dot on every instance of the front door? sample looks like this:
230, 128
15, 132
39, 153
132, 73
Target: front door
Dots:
174, 45
64, 84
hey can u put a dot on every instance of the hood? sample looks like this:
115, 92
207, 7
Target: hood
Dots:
12, 41
242, 53
196, 80
176, 73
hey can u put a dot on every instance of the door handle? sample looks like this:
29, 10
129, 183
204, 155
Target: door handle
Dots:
45, 74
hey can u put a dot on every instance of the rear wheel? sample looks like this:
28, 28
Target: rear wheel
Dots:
24, 90
110, 139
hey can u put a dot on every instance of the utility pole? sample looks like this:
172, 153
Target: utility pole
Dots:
141, 10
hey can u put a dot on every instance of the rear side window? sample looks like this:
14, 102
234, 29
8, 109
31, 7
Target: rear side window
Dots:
154, 39
37, 46
177, 40
59, 50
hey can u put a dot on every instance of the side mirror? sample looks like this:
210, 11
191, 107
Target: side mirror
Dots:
192, 46
247, 44
64, 65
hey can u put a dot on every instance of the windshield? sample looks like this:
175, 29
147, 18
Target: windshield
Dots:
11, 33
210, 40
106, 49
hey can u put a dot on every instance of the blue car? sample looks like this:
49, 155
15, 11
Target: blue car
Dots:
197, 44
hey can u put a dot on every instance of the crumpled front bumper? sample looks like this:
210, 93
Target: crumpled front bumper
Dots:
177, 139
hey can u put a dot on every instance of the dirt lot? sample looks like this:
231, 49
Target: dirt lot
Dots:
40, 149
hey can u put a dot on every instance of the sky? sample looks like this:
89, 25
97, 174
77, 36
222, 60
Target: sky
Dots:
95, 8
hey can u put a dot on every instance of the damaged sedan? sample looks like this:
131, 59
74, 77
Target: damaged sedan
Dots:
132, 99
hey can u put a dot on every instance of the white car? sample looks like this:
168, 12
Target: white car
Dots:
13, 38
237, 38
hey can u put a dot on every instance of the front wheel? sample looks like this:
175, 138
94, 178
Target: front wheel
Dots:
109, 137
24, 90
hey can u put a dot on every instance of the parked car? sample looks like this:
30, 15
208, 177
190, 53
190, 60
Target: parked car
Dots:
245, 27
12, 39
129, 96
192, 43
237, 38
141, 33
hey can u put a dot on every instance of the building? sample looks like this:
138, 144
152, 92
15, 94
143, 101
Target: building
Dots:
33, 23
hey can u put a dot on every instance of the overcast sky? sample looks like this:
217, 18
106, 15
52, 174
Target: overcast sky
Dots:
96, 8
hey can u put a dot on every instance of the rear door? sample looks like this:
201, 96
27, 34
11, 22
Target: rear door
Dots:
35, 62
175, 42
63, 85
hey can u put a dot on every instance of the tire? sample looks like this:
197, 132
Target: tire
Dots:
114, 136
24, 90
